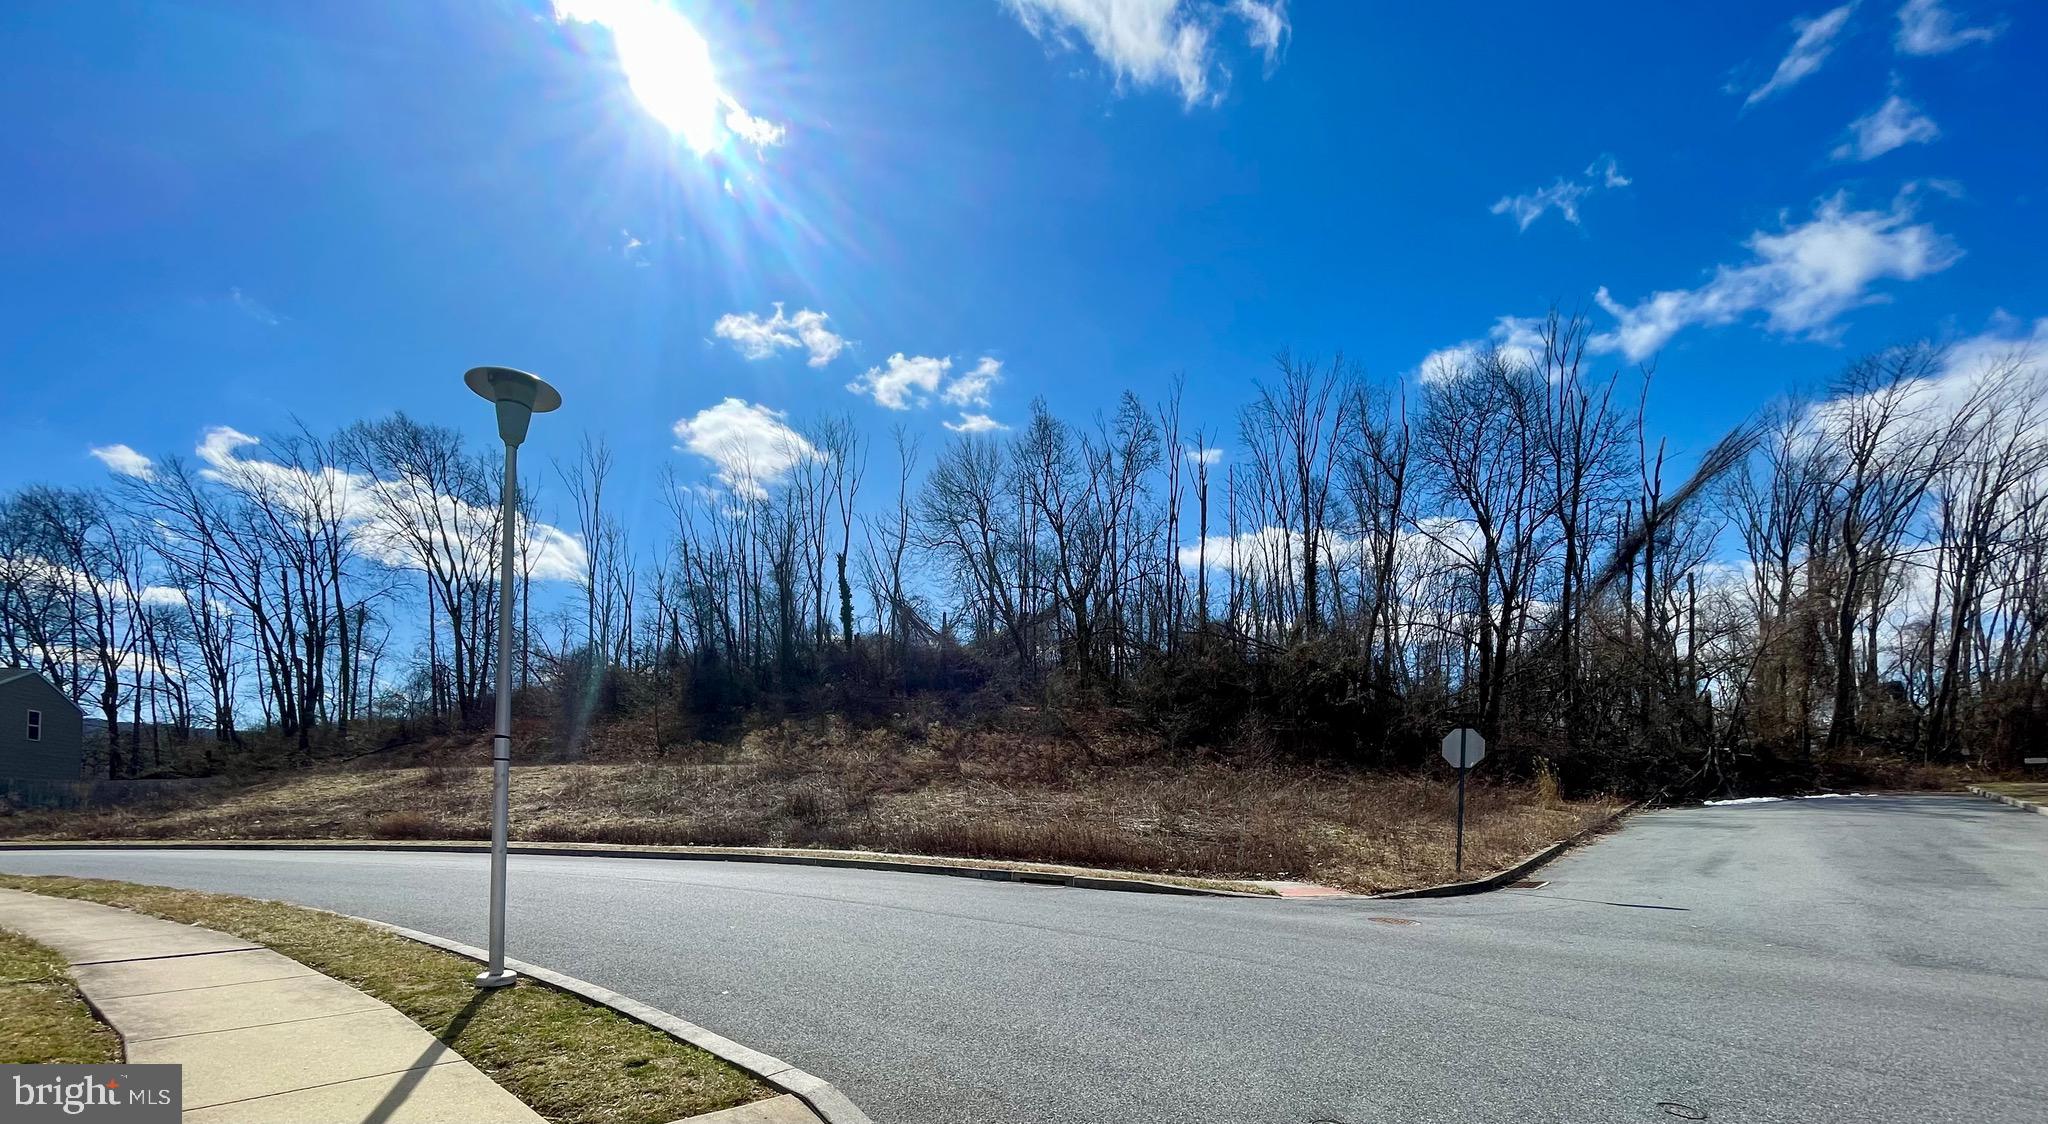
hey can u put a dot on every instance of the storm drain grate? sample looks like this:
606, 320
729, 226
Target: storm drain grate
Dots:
1394, 920
1528, 884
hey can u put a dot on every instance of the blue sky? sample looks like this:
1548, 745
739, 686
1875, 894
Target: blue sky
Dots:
230, 214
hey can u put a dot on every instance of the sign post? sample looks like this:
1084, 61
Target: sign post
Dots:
1463, 748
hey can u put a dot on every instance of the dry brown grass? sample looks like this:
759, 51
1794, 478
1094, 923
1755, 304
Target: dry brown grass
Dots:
933, 791
43, 1018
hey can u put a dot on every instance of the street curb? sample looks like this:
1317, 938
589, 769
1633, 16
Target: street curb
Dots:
1514, 873
831, 1105
603, 851
2002, 798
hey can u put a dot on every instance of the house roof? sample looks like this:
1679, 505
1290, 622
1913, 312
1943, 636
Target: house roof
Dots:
10, 674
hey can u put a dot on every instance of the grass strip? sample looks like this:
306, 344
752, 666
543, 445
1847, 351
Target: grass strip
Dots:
43, 1019
574, 1062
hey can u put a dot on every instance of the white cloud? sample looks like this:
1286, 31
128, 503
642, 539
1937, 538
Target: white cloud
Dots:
1204, 456
633, 248
28, 570
758, 337
751, 446
902, 381
1924, 405
1563, 196
1815, 39
1266, 27
369, 507
668, 67
1927, 28
754, 130
1268, 549
1896, 123
1803, 278
971, 387
252, 308
217, 448
1517, 338
124, 461
974, 423
1155, 42
1609, 172
2006, 341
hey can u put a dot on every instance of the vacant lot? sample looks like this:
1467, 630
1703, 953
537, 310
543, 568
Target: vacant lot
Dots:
941, 792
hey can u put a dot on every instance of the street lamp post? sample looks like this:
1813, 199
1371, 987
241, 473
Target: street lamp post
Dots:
518, 397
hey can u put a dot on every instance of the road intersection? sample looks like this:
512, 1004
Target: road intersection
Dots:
1869, 959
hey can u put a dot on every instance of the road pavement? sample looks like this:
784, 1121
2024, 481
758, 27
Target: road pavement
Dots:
1871, 959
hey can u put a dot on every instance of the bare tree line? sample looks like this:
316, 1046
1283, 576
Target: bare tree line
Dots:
1500, 543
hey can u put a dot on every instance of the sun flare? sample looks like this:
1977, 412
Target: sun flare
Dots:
668, 67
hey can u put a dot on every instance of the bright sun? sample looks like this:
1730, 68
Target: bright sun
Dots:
667, 64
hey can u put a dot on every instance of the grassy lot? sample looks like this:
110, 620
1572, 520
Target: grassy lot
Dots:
42, 1016
937, 791
573, 1061
2023, 790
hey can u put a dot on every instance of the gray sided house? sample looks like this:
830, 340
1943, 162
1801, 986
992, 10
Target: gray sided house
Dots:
41, 730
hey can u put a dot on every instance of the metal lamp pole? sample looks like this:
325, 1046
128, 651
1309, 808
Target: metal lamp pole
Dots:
518, 397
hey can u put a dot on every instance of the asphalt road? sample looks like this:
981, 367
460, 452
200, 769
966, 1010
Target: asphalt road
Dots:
1864, 959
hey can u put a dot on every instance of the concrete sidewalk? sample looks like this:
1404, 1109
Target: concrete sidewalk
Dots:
262, 1037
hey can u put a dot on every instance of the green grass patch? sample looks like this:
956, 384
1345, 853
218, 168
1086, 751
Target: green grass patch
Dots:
573, 1061
42, 1016
2019, 790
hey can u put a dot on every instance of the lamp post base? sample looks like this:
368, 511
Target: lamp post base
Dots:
488, 980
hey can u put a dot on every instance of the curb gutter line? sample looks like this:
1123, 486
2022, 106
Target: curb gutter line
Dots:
831, 1105
1516, 872
2017, 802
599, 851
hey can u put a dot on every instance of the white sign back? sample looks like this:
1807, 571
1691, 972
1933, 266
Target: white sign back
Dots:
1475, 747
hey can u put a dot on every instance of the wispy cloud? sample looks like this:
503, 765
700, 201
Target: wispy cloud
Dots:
754, 130
124, 461
1894, 124
974, 423
903, 381
1813, 42
758, 337
1803, 278
252, 308
377, 513
972, 387
750, 446
1266, 27
1562, 196
1157, 42
1927, 28
1518, 338
633, 248
915, 381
